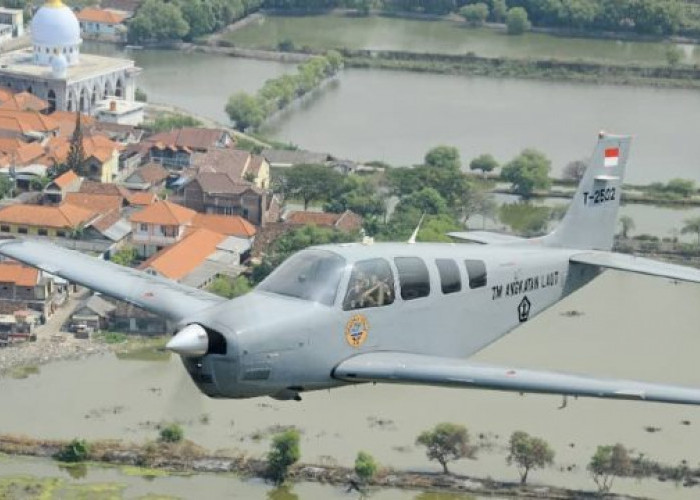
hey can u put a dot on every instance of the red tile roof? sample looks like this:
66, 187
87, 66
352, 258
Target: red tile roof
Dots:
14, 272
164, 213
180, 259
24, 101
61, 217
98, 203
143, 198
94, 15
231, 225
192, 138
65, 179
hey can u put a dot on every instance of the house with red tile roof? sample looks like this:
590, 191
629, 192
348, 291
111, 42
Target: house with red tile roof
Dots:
41, 220
164, 223
23, 287
150, 177
67, 182
176, 147
24, 101
98, 22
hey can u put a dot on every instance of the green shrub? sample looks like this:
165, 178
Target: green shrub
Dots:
365, 466
172, 433
77, 450
284, 452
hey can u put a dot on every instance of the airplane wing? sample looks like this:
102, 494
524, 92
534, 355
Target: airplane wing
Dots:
624, 262
153, 293
485, 237
406, 368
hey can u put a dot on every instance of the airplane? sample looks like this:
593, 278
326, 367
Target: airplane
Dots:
403, 313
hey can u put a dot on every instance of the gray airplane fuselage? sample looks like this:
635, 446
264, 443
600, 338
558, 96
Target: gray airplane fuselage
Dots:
281, 345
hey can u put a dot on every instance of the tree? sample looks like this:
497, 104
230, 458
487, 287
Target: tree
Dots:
683, 187
125, 256
76, 152
607, 463
517, 21
485, 163
692, 226
528, 171
445, 443
171, 433
359, 194
528, 453
311, 183
77, 450
284, 452
475, 14
245, 110
228, 287
6, 185
365, 466
443, 157
574, 170
157, 20
627, 224
169, 122
427, 201
499, 10
525, 218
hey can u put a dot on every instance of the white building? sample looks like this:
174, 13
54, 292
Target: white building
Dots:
54, 70
12, 22
114, 110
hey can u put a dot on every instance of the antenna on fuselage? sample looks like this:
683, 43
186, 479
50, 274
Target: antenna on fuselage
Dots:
412, 239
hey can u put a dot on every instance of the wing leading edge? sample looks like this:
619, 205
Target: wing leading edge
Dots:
405, 368
153, 293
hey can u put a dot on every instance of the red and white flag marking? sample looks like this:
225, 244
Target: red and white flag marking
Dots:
612, 157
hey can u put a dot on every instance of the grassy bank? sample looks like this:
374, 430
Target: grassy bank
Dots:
549, 69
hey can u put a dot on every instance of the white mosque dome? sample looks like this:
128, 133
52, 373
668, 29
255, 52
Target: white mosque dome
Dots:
55, 25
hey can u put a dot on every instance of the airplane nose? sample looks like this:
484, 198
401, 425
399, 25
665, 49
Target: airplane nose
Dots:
191, 341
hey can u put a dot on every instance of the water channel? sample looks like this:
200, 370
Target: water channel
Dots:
631, 327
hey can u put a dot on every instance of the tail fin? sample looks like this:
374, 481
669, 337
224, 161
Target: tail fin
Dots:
589, 223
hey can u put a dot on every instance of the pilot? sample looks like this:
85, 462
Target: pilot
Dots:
378, 293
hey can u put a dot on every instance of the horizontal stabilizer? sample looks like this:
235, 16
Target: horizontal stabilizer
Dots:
624, 262
405, 368
486, 237
152, 293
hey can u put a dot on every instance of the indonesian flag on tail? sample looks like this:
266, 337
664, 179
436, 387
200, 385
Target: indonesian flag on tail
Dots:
612, 157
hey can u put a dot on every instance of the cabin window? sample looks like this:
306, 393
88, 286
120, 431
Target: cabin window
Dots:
371, 285
450, 280
414, 278
309, 275
476, 270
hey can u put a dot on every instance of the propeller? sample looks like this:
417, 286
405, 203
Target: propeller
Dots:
192, 341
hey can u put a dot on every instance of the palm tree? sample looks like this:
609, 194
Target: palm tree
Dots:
627, 224
692, 226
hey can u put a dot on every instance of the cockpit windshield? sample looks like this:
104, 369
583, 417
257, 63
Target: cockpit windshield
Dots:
310, 275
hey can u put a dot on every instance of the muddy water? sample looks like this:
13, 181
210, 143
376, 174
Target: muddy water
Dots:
632, 326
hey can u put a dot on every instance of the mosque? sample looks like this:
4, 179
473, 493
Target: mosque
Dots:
55, 70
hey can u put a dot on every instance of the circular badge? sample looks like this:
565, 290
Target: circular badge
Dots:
356, 330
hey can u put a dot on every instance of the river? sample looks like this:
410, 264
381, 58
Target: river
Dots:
632, 326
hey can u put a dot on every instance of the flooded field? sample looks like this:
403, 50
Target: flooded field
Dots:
632, 326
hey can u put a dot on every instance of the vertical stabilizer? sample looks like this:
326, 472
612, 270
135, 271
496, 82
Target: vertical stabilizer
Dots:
590, 221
